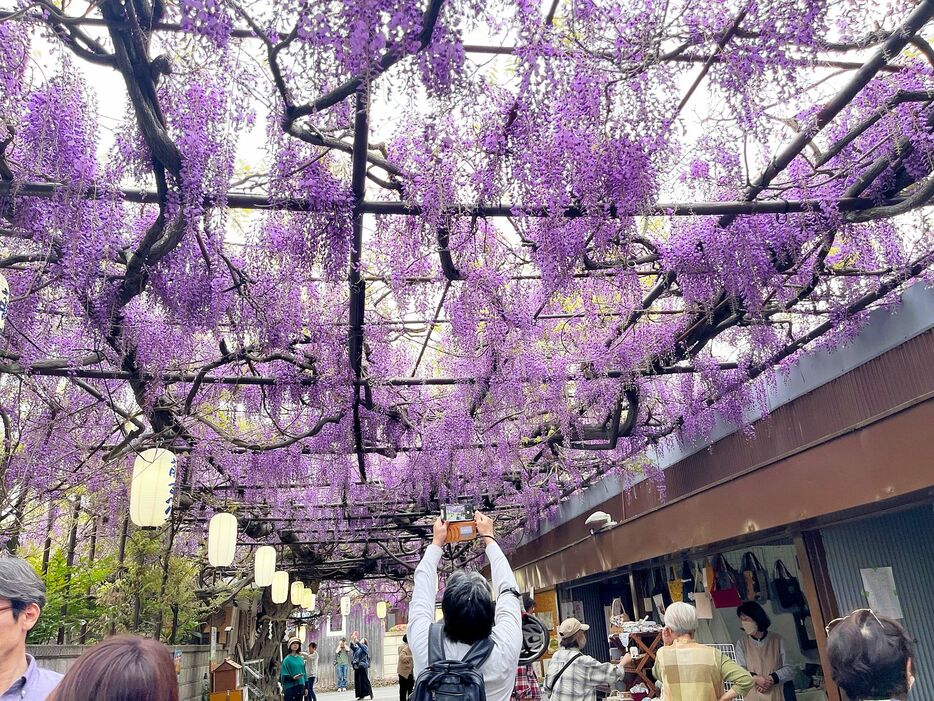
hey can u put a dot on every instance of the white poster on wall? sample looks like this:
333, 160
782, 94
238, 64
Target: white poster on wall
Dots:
881, 594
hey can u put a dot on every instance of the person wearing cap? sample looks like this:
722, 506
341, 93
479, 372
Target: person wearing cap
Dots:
690, 671
470, 613
22, 597
292, 674
574, 676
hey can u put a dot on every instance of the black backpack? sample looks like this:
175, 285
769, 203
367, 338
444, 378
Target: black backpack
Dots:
451, 680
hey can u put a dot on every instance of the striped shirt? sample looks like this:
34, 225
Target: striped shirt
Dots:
579, 681
690, 671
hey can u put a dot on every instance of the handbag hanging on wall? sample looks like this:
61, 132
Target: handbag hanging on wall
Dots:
787, 588
709, 575
804, 627
703, 604
725, 593
675, 586
754, 580
660, 595
687, 582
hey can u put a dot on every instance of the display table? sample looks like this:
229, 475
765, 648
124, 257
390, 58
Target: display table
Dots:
648, 644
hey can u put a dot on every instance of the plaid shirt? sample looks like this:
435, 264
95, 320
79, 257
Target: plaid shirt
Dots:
580, 681
527, 688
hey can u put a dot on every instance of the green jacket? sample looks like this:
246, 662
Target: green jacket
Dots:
292, 665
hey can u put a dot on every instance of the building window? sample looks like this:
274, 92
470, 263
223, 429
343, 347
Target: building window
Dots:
337, 626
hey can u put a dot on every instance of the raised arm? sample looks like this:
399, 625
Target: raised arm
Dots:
424, 596
507, 625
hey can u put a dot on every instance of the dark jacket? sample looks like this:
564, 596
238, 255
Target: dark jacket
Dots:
361, 656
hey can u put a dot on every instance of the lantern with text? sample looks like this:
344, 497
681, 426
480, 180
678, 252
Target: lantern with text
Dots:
222, 540
298, 590
381, 608
264, 565
345, 606
280, 587
152, 488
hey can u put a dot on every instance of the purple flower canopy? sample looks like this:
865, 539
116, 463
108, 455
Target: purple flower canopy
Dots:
350, 266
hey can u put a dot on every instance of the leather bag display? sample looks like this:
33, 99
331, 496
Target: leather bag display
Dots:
754, 580
787, 588
725, 593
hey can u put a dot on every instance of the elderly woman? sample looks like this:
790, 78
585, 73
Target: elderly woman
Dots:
574, 676
871, 657
690, 671
762, 653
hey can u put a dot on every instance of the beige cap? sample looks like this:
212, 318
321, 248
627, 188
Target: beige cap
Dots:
570, 627
294, 640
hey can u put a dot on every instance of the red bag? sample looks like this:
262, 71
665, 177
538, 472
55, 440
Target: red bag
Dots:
725, 593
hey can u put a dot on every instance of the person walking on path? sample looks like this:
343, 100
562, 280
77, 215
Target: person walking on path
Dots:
361, 667
762, 654
574, 676
22, 597
405, 669
292, 674
311, 669
470, 614
342, 664
690, 671
120, 668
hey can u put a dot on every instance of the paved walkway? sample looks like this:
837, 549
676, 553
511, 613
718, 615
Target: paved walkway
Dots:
380, 693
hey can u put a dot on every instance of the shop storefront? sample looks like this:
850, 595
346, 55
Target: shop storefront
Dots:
837, 484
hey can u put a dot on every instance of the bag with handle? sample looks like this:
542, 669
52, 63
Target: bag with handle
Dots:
452, 680
804, 627
675, 587
703, 603
755, 580
787, 588
618, 616
709, 575
687, 582
725, 593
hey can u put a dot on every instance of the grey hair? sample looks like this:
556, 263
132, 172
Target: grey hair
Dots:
681, 618
20, 584
467, 605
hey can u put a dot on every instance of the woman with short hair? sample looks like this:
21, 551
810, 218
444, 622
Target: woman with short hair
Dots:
762, 654
690, 671
871, 657
121, 668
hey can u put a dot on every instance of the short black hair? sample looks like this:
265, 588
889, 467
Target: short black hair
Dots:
468, 608
528, 603
756, 613
869, 656
313, 646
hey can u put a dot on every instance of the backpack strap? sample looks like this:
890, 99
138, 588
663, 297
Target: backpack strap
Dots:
436, 643
551, 687
479, 653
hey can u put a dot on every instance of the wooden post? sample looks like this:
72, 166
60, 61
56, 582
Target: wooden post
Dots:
121, 558
83, 636
69, 564
815, 581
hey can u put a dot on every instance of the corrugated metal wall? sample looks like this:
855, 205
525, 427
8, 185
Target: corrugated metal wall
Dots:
905, 542
369, 627
590, 596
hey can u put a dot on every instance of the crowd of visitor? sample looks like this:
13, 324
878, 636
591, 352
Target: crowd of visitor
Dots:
871, 657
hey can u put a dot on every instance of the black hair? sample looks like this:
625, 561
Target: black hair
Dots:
754, 611
528, 603
570, 641
468, 608
313, 646
869, 656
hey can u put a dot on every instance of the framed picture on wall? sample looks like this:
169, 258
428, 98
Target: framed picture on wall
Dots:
547, 618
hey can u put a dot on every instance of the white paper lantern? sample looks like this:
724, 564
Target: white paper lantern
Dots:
4, 301
222, 540
381, 610
302, 633
152, 489
314, 602
280, 587
345, 606
264, 565
298, 590
307, 598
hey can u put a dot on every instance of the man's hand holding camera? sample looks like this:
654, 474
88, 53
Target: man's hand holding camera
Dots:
484, 525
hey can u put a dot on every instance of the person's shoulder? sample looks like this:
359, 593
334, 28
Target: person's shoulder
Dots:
49, 674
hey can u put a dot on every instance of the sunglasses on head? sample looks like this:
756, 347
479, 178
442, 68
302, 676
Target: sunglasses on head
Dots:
835, 621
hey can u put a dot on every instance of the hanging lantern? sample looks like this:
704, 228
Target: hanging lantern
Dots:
313, 602
264, 563
298, 590
280, 587
381, 610
345, 606
152, 488
307, 597
4, 301
302, 633
222, 540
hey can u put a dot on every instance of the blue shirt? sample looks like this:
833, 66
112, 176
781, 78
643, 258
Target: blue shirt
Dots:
35, 685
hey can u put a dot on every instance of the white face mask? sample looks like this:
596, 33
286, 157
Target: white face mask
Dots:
750, 627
